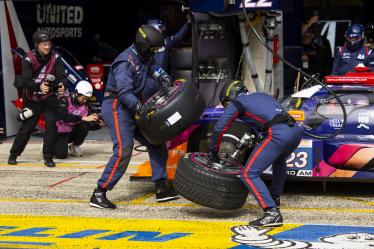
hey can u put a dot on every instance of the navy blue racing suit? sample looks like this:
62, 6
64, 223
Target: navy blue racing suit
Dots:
129, 81
256, 109
346, 60
162, 57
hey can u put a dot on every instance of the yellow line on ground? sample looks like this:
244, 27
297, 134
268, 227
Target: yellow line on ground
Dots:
141, 199
40, 200
62, 165
59, 165
337, 210
370, 203
141, 202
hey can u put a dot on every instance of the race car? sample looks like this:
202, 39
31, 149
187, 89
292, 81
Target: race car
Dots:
348, 156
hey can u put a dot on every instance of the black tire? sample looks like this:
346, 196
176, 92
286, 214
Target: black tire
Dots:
209, 187
173, 114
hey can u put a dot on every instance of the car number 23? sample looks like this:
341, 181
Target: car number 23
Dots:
297, 159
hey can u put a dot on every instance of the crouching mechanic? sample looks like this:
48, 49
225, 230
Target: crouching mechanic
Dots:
281, 137
130, 84
75, 120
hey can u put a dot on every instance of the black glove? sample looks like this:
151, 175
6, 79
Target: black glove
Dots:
213, 157
138, 108
145, 111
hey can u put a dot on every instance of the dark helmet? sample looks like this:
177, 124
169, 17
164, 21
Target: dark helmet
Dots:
230, 91
41, 36
158, 24
148, 40
354, 36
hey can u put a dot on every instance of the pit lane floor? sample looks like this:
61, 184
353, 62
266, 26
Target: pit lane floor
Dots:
44, 207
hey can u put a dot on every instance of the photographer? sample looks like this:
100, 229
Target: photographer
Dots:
40, 95
75, 120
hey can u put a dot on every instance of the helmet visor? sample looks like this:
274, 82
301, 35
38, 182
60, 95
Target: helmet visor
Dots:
157, 49
353, 39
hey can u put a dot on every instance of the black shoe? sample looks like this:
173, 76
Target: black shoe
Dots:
163, 193
99, 200
272, 218
12, 160
49, 163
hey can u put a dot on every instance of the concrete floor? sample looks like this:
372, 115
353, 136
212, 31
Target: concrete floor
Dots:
31, 189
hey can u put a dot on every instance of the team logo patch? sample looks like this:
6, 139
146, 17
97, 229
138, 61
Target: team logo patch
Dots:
360, 57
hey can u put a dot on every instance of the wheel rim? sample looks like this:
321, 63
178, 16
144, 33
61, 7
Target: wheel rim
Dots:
158, 100
227, 167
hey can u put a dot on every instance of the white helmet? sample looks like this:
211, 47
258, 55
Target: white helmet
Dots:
84, 87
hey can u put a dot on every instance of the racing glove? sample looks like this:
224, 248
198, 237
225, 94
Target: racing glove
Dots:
143, 111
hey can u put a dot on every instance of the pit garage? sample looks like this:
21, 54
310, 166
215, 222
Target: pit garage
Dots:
328, 196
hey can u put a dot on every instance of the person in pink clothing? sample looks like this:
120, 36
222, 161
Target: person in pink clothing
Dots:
75, 120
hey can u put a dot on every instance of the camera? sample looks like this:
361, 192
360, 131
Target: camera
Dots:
50, 79
25, 114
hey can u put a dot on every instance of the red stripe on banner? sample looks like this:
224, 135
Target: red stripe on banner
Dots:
12, 36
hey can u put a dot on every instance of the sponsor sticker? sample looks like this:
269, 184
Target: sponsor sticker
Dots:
173, 119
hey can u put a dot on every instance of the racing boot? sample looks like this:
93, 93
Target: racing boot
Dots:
272, 218
163, 193
99, 200
12, 160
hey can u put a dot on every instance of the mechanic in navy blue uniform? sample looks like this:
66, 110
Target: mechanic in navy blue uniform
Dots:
162, 57
281, 136
130, 84
353, 52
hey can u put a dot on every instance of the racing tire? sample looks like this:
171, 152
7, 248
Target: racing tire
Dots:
206, 186
172, 113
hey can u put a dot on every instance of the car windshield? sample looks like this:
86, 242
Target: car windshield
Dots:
329, 108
